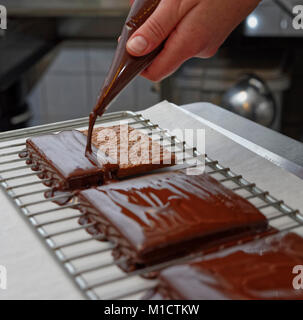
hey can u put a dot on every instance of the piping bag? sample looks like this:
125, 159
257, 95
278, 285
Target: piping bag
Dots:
124, 67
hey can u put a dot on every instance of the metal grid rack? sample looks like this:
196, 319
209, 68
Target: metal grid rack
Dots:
89, 262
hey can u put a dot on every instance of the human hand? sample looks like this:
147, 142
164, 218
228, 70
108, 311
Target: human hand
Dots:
193, 28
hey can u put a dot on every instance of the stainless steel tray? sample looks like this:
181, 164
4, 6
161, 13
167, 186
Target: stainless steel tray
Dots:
89, 262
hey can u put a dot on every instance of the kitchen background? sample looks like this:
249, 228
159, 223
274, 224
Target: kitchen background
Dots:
55, 55
70, 86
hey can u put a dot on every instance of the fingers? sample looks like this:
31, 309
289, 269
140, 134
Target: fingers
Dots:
158, 27
183, 43
198, 34
191, 27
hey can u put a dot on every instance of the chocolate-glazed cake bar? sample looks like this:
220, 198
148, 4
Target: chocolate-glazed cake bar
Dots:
259, 270
61, 157
164, 216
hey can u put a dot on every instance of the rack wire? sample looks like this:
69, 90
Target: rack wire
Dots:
86, 261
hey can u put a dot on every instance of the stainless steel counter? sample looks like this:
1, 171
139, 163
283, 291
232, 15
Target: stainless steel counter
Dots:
55, 8
271, 145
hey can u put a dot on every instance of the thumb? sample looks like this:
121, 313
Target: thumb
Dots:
156, 28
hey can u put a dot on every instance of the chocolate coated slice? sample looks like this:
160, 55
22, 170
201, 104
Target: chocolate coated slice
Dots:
155, 218
61, 158
258, 270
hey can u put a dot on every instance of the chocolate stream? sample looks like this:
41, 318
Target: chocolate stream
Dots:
124, 67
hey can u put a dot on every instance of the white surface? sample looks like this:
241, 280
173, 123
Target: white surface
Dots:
33, 273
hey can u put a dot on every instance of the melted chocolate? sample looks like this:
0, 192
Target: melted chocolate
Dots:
62, 161
124, 66
92, 230
258, 270
160, 217
61, 198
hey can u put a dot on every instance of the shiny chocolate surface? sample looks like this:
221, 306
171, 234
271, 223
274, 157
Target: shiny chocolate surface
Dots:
62, 160
162, 216
258, 270
61, 157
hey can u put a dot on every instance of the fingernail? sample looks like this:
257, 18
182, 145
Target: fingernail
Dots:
137, 44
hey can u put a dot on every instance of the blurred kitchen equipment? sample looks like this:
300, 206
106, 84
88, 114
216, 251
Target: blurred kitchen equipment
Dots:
286, 6
252, 99
21, 47
209, 80
272, 18
14, 111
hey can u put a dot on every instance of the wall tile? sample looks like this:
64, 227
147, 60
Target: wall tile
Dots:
35, 102
69, 60
125, 101
144, 93
71, 85
66, 96
99, 59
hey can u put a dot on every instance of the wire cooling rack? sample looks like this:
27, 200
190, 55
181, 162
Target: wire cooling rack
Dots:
89, 262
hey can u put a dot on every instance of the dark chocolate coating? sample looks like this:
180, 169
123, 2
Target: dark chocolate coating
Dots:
61, 158
124, 67
164, 216
63, 197
258, 270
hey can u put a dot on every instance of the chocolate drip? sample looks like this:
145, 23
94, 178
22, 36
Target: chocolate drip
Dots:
60, 158
60, 197
124, 67
62, 163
